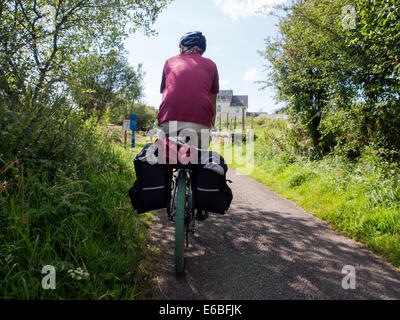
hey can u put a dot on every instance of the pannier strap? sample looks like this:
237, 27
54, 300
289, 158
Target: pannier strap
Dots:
153, 188
207, 190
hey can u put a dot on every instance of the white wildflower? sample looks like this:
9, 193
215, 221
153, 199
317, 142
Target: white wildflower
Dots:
78, 273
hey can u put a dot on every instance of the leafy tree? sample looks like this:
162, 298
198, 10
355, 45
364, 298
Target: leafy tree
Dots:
42, 45
146, 114
41, 39
375, 47
340, 84
298, 66
105, 82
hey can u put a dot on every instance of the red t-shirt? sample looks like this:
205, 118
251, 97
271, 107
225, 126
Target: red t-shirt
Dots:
188, 81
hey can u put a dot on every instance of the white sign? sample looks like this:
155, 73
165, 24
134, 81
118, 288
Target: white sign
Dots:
126, 125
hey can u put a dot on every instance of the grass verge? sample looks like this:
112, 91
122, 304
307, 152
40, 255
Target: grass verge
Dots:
75, 216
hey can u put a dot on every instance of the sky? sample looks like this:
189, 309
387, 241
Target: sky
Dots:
234, 32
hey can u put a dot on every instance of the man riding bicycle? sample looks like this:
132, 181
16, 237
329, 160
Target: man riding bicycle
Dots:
189, 85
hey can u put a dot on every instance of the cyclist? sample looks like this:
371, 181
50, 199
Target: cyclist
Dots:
189, 87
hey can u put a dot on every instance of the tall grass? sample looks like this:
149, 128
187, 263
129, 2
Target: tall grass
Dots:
359, 198
74, 215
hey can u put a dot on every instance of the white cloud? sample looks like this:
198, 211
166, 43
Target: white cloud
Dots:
251, 75
245, 8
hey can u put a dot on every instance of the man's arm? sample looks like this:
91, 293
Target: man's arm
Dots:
214, 92
214, 103
162, 86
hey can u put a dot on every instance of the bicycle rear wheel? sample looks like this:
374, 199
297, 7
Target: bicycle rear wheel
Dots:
180, 223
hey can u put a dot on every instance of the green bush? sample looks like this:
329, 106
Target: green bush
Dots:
72, 212
146, 115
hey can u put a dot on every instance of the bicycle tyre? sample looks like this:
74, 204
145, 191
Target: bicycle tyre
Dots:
180, 223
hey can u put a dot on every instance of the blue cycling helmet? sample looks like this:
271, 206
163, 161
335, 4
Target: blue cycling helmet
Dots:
193, 39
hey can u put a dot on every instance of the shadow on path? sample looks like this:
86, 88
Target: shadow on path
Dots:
265, 247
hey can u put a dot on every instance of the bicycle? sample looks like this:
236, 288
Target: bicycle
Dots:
181, 208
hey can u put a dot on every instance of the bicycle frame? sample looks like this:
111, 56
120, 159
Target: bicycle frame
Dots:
181, 209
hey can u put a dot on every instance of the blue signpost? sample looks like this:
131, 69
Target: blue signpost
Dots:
133, 127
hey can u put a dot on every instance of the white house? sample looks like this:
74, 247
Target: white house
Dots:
231, 106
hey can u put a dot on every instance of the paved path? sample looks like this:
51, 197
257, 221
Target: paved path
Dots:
265, 247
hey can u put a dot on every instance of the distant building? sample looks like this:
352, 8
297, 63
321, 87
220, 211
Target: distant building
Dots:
231, 106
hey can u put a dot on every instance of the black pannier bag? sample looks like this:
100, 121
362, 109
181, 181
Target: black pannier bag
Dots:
212, 192
152, 187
